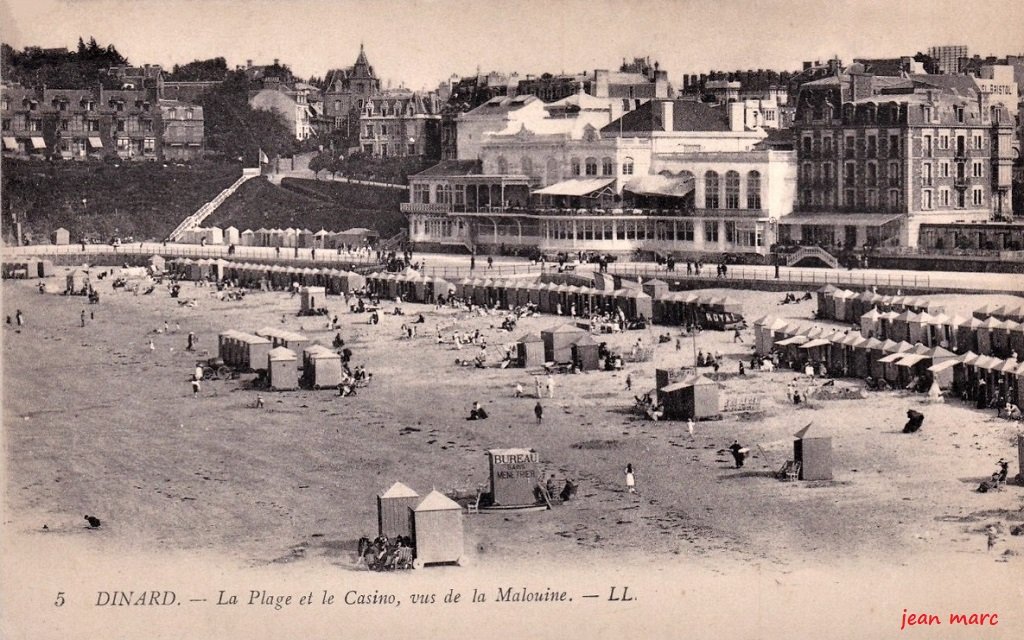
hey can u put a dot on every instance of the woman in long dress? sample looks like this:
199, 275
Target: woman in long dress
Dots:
630, 479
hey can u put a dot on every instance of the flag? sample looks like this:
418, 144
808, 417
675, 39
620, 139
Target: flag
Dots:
263, 158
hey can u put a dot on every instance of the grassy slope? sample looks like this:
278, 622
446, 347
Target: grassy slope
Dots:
312, 205
142, 200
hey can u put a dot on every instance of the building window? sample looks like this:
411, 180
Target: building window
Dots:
850, 147
979, 142
711, 189
894, 146
872, 174
711, 231
926, 113
926, 146
684, 230
944, 142
959, 113
926, 174
850, 169
730, 232
627, 167
754, 189
732, 190
961, 199
926, 199
64, 124
807, 145
421, 193
976, 169
894, 174
872, 198
383, 129
149, 145
944, 197
872, 146
826, 145
123, 144
977, 197
944, 170
590, 165
502, 166
411, 150
607, 167
848, 197
6, 126
369, 131
527, 165
5, 104
894, 199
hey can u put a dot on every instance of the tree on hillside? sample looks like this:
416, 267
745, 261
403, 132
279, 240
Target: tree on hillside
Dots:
79, 69
239, 131
318, 163
199, 71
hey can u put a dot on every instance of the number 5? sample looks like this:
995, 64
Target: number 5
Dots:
60, 599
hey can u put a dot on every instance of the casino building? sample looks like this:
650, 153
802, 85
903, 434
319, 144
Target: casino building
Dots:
669, 177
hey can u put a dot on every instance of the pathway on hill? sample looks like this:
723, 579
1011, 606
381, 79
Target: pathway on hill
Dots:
299, 168
204, 211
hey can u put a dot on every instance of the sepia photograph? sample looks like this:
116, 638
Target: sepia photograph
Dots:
476, 319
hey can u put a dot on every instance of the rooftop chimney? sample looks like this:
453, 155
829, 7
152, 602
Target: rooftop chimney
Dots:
276, 60
248, 64
737, 112
668, 115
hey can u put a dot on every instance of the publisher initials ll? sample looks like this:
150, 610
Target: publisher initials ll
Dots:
622, 598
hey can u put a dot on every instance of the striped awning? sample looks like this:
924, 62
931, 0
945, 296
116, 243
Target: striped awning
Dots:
10, 143
38, 142
95, 142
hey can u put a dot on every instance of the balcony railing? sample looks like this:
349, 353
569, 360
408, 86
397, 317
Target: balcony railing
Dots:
440, 208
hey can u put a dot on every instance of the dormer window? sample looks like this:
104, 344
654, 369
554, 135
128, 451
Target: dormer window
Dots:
958, 112
188, 114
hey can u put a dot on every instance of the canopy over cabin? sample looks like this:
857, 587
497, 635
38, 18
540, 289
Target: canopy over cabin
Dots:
692, 397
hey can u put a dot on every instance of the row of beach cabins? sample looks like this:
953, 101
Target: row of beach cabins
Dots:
990, 331
276, 353
247, 274
285, 238
651, 301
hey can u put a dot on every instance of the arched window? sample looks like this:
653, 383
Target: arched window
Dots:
754, 190
711, 190
575, 165
591, 166
552, 172
732, 190
502, 165
527, 166
686, 175
627, 166
607, 167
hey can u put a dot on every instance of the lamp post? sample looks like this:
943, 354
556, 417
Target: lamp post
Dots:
774, 223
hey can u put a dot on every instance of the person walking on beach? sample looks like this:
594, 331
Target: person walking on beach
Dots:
551, 386
630, 479
195, 387
539, 412
537, 387
690, 426
83, 317
191, 342
19, 317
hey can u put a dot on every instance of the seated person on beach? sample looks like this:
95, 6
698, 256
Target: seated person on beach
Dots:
914, 422
477, 412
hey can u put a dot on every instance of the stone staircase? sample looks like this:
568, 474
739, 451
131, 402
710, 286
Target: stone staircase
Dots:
197, 218
395, 242
812, 252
